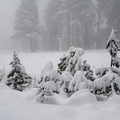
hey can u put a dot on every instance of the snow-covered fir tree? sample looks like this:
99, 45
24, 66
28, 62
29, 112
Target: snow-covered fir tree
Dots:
26, 25
78, 82
75, 74
65, 79
102, 85
49, 84
72, 62
113, 48
108, 78
88, 71
18, 79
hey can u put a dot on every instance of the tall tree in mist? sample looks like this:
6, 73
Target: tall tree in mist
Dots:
103, 9
70, 23
114, 14
26, 25
80, 23
52, 24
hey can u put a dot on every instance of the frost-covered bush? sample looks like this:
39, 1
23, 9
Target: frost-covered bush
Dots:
62, 65
113, 48
18, 79
78, 82
49, 84
106, 79
102, 85
65, 79
88, 71
48, 66
81, 72
72, 62
46, 94
101, 71
51, 75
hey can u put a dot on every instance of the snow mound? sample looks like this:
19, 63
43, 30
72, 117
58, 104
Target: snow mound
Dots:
82, 97
78, 82
3, 86
66, 77
115, 99
30, 94
103, 82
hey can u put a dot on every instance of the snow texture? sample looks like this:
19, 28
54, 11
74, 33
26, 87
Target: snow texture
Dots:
103, 82
78, 82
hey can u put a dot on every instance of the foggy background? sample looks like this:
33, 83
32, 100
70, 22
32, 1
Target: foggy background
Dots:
7, 18
62, 23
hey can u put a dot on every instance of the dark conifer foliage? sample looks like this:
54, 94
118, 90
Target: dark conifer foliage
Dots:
18, 79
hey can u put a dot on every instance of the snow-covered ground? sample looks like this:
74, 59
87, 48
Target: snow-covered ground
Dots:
34, 62
15, 105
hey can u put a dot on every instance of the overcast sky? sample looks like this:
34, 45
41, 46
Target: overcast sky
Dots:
7, 17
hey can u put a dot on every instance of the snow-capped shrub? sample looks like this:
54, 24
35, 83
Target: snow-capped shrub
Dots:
51, 86
46, 97
101, 71
48, 66
71, 62
50, 81
78, 82
82, 97
18, 79
65, 79
46, 92
102, 85
62, 65
48, 85
88, 71
51, 75
113, 48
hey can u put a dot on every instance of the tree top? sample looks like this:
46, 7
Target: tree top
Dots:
112, 37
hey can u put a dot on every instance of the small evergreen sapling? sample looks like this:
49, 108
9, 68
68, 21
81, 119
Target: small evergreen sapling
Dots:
113, 48
18, 79
72, 62
65, 79
48, 85
88, 71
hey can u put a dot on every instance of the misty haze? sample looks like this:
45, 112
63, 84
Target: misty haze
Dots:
59, 59
61, 24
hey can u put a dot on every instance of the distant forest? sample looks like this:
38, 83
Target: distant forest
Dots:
80, 23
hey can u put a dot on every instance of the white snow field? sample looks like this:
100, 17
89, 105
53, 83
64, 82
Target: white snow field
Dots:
82, 105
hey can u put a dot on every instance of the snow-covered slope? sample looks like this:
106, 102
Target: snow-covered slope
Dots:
15, 105
34, 62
